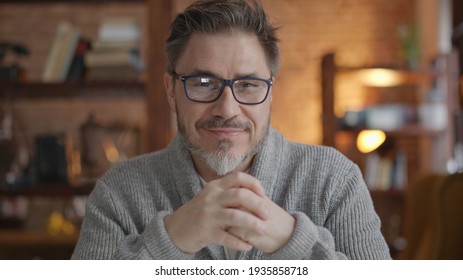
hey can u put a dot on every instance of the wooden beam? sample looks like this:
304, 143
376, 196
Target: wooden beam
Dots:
159, 128
328, 116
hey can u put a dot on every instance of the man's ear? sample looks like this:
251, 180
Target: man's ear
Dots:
169, 85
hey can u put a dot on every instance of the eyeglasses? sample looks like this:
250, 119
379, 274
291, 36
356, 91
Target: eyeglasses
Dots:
207, 89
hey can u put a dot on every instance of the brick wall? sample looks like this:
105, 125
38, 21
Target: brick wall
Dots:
359, 31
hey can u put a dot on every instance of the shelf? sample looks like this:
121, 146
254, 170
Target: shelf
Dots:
72, 89
392, 193
412, 130
25, 238
49, 190
408, 76
35, 244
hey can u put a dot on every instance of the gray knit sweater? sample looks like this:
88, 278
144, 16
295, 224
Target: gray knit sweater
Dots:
321, 188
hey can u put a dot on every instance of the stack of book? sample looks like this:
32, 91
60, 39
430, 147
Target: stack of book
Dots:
115, 55
386, 172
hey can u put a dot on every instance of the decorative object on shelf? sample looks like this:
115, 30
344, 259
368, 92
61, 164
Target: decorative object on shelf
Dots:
385, 117
104, 145
57, 224
51, 160
389, 116
433, 112
408, 34
77, 68
11, 70
14, 155
13, 212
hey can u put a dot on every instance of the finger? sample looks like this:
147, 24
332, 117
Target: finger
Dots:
242, 180
246, 200
231, 217
231, 241
256, 240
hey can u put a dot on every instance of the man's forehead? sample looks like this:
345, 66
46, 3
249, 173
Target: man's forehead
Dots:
214, 53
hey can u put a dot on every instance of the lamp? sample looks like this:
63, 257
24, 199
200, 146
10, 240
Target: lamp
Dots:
380, 77
369, 140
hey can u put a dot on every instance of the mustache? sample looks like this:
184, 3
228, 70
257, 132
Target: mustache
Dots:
217, 122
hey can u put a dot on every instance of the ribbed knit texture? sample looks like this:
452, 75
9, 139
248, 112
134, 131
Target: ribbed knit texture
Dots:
321, 188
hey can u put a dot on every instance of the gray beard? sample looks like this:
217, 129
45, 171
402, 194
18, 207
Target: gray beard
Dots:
220, 161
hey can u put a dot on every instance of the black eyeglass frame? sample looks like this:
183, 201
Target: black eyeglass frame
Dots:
225, 83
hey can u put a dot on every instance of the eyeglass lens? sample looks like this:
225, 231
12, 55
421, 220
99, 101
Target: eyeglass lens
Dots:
208, 89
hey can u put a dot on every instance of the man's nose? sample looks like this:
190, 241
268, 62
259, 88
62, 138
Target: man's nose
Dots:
226, 106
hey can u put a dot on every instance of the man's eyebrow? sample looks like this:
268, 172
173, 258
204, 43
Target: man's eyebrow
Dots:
210, 73
202, 72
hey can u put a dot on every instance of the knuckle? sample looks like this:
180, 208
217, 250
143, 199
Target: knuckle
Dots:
234, 216
262, 205
247, 236
240, 193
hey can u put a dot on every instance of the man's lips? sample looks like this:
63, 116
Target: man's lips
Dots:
226, 132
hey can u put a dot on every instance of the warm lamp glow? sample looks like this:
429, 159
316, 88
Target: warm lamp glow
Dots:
369, 140
379, 77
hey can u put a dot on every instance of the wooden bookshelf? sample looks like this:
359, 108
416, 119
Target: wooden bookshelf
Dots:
35, 244
426, 150
100, 89
22, 243
48, 190
159, 14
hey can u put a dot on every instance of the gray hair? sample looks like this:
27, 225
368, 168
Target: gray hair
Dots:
215, 16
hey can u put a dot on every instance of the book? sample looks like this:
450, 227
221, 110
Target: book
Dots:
371, 170
399, 173
61, 53
110, 58
115, 29
383, 181
104, 46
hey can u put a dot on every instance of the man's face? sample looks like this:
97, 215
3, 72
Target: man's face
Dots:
225, 133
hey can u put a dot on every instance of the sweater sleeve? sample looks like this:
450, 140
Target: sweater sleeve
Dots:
107, 233
351, 231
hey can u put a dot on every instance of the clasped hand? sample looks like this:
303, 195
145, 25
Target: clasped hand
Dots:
233, 212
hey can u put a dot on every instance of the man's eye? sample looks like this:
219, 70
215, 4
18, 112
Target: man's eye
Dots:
248, 85
245, 85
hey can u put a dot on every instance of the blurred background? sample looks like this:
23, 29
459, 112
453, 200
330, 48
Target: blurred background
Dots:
81, 88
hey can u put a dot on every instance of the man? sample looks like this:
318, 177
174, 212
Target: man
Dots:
229, 186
